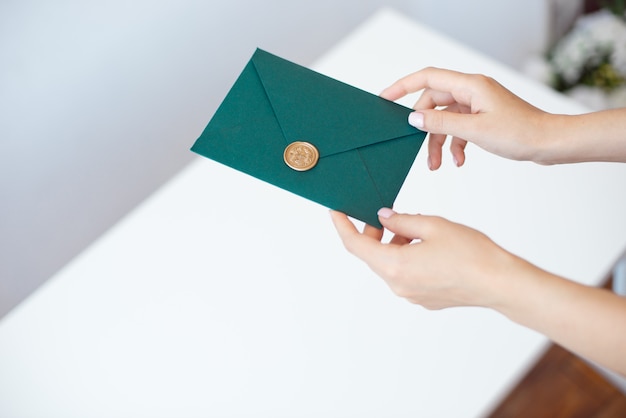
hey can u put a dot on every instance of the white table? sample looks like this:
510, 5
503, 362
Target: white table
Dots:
223, 296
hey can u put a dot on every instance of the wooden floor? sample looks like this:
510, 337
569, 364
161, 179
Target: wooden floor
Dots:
561, 385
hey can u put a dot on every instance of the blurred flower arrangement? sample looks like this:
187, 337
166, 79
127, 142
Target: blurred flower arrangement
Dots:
589, 62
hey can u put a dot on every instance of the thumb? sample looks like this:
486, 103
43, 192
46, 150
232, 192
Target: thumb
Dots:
408, 226
461, 125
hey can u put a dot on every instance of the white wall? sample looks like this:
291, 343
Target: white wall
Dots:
100, 101
506, 30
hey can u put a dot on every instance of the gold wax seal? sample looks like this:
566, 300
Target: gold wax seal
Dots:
301, 156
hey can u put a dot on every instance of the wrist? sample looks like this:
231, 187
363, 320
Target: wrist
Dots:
527, 294
497, 282
596, 136
548, 147
508, 288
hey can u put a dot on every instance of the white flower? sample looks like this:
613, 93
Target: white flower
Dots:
609, 33
603, 26
618, 57
594, 38
570, 56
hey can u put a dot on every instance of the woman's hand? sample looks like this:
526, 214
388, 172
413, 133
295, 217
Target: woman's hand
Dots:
437, 264
477, 109
431, 261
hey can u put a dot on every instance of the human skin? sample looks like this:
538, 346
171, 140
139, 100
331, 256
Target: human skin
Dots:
415, 263
480, 110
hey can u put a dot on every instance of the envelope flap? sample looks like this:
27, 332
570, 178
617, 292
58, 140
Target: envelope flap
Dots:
334, 116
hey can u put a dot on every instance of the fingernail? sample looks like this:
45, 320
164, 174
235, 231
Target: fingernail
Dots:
416, 120
386, 213
456, 162
430, 164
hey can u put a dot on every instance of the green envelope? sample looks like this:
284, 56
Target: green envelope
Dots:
364, 143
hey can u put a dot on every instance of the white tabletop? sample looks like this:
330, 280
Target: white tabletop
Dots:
224, 296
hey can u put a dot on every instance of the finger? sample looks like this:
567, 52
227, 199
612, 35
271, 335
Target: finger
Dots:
430, 99
342, 224
462, 125
457, 148
433, 78
356, 243
400, 240
435, 145
412, 226
373, 232
395, 92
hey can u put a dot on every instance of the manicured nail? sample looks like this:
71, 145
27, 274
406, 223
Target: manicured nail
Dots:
385, 213
416, 120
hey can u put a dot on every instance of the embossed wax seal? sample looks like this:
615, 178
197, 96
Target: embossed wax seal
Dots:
301, 156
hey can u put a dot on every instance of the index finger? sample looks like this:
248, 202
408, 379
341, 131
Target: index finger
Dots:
438, 79
356, 243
